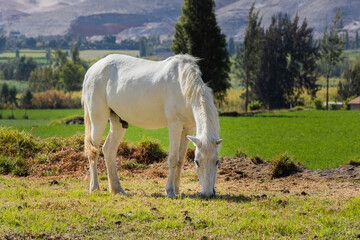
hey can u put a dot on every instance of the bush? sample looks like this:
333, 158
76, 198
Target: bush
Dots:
54, 99
255, 105
318, 104
15, 143
283, 165
333, 107
145, 152
16, 166
346, 105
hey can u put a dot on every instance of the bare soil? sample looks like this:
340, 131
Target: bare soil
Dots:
235, 175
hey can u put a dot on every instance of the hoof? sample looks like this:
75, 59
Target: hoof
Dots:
171, 194
119, 191
94, 189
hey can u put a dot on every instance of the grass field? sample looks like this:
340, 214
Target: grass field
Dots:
40, 55
319, 139
39, 210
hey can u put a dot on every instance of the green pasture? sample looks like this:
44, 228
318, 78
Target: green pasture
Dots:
318, 139
40, 55
37, 209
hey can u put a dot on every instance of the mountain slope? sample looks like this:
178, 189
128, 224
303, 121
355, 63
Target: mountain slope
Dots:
135, 18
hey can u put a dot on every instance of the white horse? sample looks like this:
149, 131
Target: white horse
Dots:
150, 94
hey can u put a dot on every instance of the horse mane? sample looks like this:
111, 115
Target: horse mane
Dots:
199, 96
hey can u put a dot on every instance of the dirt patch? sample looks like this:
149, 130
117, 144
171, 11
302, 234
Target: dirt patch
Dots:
235, 174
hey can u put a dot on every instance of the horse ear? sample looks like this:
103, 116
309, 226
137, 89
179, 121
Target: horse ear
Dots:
218, 141
195, 141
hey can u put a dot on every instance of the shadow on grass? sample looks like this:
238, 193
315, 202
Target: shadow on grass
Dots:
227, 197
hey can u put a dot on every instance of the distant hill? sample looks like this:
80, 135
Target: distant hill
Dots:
135, 18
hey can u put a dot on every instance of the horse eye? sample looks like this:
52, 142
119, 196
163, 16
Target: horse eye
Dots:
197, 163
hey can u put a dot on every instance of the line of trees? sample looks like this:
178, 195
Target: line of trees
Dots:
276, 65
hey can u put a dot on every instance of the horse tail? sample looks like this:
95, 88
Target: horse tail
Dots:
90, 149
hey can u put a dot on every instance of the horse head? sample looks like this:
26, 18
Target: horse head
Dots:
206, 163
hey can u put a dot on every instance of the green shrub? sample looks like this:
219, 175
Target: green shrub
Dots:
346, 105
15, 143
333, 107
255, 105
283, 165
15, 166
318, 104
6, 165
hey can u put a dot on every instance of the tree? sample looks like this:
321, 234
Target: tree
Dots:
248, 59
26, 101
48, 57
12, 100
198, 34
288, 63
2, 42
24, 66
71, 76
351, 86
5, 93
75, 56
231, 46
42, 79
357, 40
331, 49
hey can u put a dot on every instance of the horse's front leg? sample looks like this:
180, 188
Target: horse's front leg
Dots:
175, 130
182, 156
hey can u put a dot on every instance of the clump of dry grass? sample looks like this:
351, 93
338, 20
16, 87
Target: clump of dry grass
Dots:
283, 165
145, 152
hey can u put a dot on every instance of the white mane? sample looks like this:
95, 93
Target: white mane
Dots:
200, 96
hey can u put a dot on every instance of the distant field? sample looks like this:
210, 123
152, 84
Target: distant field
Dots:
94, 54
20, 85
38, 55
319, 139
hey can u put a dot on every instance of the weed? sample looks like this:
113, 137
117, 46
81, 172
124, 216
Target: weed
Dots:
240, 154
283, 165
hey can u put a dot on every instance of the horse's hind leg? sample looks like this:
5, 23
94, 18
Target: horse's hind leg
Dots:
110, 149
98, 125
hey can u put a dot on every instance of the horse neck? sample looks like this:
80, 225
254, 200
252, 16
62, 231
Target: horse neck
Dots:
206, 118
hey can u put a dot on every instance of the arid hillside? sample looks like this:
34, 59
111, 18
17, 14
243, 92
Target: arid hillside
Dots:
133, 19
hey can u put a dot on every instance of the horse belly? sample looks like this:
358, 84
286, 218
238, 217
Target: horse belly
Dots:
141, 110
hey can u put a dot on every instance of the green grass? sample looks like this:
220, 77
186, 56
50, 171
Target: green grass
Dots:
39, 210
38, 55
319, 139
